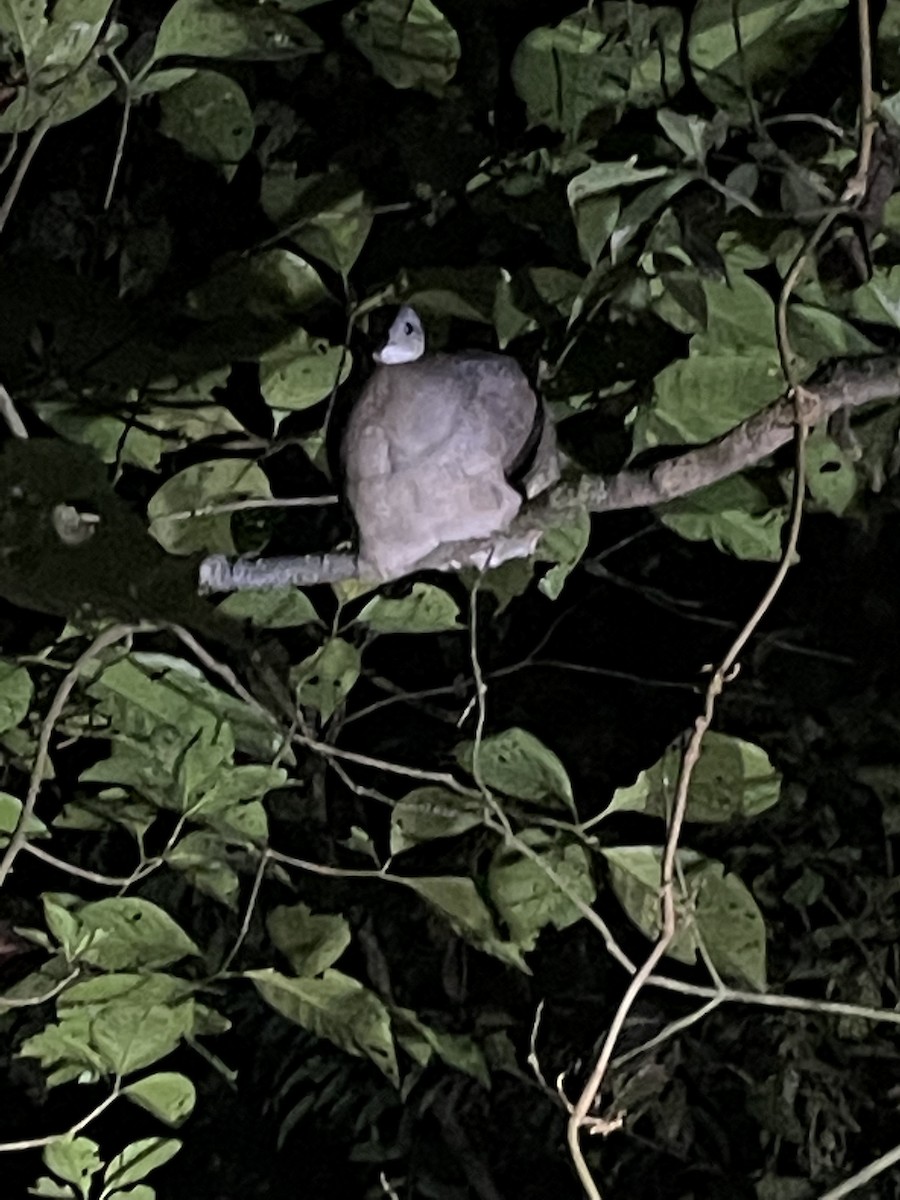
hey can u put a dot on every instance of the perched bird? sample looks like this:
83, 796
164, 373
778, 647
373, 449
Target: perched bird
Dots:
434, 446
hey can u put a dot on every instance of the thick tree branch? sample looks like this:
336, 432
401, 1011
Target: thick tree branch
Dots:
852, 385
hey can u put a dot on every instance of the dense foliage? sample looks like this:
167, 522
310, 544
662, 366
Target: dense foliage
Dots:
340, 891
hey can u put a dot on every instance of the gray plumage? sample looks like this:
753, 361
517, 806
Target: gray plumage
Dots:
428, 447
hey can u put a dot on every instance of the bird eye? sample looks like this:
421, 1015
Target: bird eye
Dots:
408, 329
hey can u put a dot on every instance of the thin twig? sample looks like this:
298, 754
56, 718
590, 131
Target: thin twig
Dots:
115, 633
38, 134
10, 415
35, 1143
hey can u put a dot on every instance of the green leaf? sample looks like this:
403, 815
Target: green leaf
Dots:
582, 75
10, 810
517, 764
699, 398
302, 370
830, 473
432, 812
159, 81
138, 1160
168, 1095
719, 910
274, 284
694, 136
888, 47
778, 41
216, 29
734, 514
327, 216
524, 894
730, 924
634, 873
60, 81
324, 680
209, 116
458, 901
75, 1159
427, 609
270, 608
131, 1037
564, 544
311, 942
420, 1041
410, 43
595, 203
195, 489
118, 934
732, 779
16, 694
202, 858
335, 1007
48, 1189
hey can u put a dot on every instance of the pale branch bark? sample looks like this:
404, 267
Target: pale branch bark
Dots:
852, 385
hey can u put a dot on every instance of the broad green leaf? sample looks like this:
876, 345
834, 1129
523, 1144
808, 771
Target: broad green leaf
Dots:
878, 301
732, 779
201, 856
595, 200
427, 609
721, 911
176, 510
138, 1160
270, 608
432, 812
16, 694
335, 1007
694, 136
410, 43
778, 41
644, 207
817, 334
311, 942
167, 700
458, 901
524, 894
75, 1159
699, 398
113, 441
421, 1042
168, 1095
888, 48
10, 810
48, 1189
302, 370
580, 76
272, 285
326, 215
734, 514
517, 764
565, 545
217, 29
634, 873
120, 933
131, 1038
118, 1022
730, 924
830, 473
141, 1191
209, 116
324, 680
59, 82
159, 81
